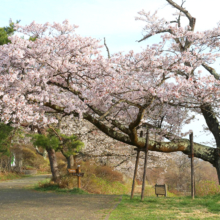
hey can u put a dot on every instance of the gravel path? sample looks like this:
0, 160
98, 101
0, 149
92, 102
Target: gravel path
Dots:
18, 203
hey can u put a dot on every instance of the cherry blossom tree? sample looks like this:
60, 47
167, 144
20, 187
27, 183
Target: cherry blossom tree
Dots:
160, 87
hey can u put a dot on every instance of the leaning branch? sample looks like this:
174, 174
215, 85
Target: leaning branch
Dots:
107, 130
192, 20
211, 71
200, 151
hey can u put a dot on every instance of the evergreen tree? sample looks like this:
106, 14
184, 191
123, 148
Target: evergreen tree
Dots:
7, 31
52, 141
5, 139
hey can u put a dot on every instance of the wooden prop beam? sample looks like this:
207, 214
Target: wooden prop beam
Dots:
135, 169
145, 165
78, 178
192, 167
135, 173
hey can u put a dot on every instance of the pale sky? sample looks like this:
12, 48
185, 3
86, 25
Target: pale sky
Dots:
112, 19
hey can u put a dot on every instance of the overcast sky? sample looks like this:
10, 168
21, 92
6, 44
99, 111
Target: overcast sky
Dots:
113, 19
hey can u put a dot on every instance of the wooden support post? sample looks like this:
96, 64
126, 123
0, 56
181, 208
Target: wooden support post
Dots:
135, 169
145, 165
78, 178
135, 173
165, 190
192, 166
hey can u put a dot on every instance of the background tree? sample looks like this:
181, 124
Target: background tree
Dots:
70, 145
52, 141
7, 31
5, 138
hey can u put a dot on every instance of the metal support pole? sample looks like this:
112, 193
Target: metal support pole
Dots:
192, 166
145, 165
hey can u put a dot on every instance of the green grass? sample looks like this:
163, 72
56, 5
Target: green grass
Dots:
167, 208
45, 186
99, 185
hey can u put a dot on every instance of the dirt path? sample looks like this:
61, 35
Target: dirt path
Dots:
18, 203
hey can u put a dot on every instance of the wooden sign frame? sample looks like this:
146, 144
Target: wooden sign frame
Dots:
161, 190
76, 172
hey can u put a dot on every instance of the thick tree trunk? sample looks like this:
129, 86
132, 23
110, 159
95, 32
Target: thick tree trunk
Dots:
217, 163
214, 126
218, 169
70, 162
53, 164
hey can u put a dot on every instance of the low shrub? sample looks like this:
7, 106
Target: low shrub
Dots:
204, 188
67, 181
98, 180
99, 185
109, 174
175, 191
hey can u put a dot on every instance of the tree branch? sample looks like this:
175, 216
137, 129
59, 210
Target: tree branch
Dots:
211, 71
107, 48
108, 131
192, 20
158, 32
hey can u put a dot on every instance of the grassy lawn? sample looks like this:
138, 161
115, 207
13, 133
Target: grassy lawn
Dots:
167, 208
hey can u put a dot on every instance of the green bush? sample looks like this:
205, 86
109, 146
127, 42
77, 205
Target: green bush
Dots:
207, 187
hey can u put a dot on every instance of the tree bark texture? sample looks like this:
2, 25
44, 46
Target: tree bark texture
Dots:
214, 126
70, 162
53, 164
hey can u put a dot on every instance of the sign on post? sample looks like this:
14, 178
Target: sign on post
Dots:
161, 190
76, 172
72, 170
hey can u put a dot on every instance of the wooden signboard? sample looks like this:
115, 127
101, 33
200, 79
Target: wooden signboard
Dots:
161, 190
76, 172
72, 170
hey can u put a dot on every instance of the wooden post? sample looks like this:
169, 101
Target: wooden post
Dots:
135, 169
135, 173
145, 164
165, 190
78, 177
192, 166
